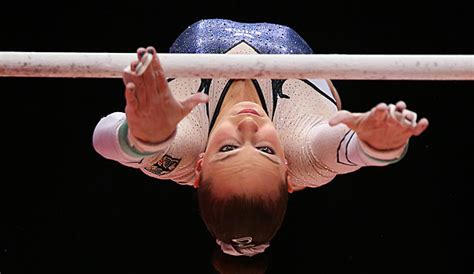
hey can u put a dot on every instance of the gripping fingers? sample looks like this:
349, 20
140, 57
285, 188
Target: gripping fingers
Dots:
404, 116
161, 81
392, 110
140, 53
143, 64
409, 118
401, 106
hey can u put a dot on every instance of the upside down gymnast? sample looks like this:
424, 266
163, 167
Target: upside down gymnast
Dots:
244, 144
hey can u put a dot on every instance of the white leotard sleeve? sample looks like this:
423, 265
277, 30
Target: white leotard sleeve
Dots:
175, 158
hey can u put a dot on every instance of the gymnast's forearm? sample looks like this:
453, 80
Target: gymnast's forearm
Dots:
341, 151
111, 140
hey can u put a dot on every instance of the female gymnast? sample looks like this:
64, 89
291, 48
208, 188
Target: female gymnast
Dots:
244, 144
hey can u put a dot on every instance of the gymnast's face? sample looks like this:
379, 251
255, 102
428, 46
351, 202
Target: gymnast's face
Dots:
244, 153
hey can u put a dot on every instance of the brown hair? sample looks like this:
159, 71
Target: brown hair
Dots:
237, 216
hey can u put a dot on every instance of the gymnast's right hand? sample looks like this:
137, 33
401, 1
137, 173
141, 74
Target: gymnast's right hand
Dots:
152, 111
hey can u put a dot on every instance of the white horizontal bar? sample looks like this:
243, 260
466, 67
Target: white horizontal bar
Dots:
240, 66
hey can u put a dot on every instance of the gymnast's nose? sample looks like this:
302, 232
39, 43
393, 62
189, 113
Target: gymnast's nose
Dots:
247, 126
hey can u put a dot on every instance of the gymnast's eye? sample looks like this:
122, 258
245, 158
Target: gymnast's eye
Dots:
227, 148
267, 150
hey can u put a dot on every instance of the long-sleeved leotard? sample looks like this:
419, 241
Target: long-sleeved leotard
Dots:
299, 109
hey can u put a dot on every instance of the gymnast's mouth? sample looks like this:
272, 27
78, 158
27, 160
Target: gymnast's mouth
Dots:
249, 111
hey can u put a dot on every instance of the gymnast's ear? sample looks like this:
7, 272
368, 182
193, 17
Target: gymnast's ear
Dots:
287, 174
197, 170
289, 184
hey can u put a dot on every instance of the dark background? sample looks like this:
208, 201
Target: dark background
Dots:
64, 209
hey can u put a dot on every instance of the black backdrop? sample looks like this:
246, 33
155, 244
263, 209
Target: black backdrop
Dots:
65, 209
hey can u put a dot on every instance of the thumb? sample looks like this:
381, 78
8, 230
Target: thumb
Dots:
192, 101
342, 116
421, 126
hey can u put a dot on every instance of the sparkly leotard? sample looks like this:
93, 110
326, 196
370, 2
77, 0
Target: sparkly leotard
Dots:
299, 109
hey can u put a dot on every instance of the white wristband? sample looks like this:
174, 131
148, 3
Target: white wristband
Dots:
384, 155
148, 147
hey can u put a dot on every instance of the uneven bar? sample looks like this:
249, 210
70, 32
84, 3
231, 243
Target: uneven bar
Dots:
240, 66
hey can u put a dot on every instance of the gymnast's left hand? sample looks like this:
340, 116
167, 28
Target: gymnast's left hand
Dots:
384, 127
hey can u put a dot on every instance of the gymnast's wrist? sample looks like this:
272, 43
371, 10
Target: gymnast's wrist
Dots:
147, 147
136, 146
382, 154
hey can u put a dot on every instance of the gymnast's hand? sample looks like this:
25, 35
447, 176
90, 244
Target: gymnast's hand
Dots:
152, 111
383, 127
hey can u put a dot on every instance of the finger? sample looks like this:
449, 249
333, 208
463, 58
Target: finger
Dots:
380, 111
130, 96
409, 118
421, 126
395, 116
151, 50
161, 81
409, 115
192, 101
140, 53
133, 65
144, 63
381, 107
127, 76
400, 106
343, 116
147, 84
